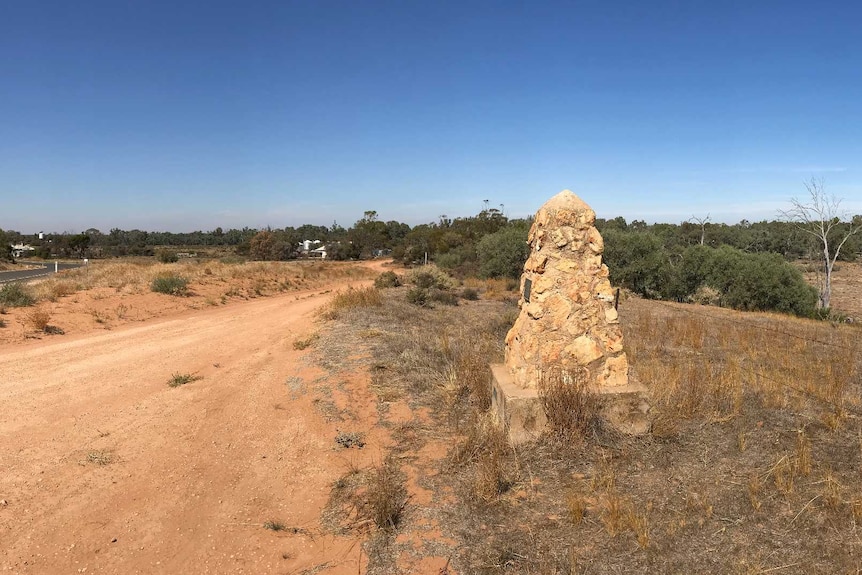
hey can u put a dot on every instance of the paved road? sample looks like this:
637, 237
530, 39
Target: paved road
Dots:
46, 269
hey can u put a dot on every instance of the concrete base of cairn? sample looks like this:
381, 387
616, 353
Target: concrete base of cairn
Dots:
520, 411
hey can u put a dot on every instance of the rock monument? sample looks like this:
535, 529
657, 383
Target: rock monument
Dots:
568, 321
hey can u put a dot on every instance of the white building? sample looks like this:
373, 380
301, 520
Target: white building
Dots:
22, 250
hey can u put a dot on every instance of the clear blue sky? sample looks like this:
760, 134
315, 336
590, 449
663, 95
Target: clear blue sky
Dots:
188, 115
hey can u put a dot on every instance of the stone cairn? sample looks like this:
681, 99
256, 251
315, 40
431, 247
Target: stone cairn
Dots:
568, 319
568, 322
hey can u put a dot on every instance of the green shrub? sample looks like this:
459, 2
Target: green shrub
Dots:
179, 379
387, 280
503, 253
16, 295
458, 259
418, 296
471, 294
761, 282
170, 284
274, 525
725, 276
167, 256
639, 262
443, 296
430, 276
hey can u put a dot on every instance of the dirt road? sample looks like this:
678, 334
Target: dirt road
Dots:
104, 468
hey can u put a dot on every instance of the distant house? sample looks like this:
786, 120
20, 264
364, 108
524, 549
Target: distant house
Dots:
313, 249
318, 253
22, 250
308, 245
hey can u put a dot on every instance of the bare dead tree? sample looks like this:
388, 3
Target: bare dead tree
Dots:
819, 217
702, 223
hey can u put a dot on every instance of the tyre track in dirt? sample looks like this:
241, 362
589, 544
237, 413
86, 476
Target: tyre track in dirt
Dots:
106, 469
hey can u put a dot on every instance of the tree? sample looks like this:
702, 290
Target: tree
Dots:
79, 243
821, 218
263, 246
503, 253
5, 247
702, 223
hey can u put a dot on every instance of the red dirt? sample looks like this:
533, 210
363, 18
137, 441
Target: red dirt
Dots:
188, 475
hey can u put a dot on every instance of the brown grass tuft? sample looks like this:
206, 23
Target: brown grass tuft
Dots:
387, 496
570, 406
352, 299
38, 319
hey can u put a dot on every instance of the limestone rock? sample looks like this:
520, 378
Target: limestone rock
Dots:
567, 314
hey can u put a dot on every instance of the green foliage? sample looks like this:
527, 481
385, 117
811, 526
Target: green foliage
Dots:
78, 244
442, 296
503, 253
461, 259
388, 279
342, 251
15, 295
5, 247
638, 261
167, 256
470, 294
274, 525
430, 276
725, 275
418, 296
758, 282
271, 246
179, 379
425, 296
171, 284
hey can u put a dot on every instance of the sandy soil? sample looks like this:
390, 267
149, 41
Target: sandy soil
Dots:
104, 468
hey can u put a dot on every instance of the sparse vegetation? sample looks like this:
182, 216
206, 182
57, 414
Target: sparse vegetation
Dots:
179, 379
387, 496
470, 294
755, 444
353, 298
167, 256
171, 284
348, 439
274, 525
571, 407
38, 319
136, 276
16, 295
100, 457
418, 296
431, 277
305, 342
388, 279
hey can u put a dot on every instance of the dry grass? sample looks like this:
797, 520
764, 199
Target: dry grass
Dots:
248, 279
709, 363
38, 318
302, 343
571, 407
352, 298
387, 496
494, 289
753, 464
179, 379
99, 457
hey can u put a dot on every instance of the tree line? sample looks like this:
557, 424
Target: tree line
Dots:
744, 265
